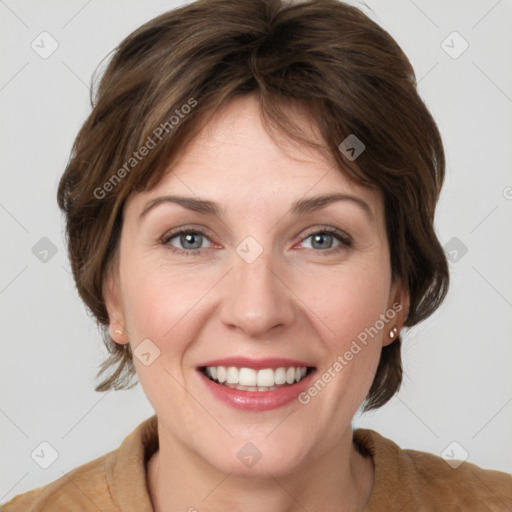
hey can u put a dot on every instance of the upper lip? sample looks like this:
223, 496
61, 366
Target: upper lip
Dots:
257, 364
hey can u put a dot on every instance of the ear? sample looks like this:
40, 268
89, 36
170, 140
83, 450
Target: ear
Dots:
112, 297
399, 303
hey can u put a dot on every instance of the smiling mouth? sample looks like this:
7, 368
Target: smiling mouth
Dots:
249, 379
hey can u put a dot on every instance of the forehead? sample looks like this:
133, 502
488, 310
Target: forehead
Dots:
234, 159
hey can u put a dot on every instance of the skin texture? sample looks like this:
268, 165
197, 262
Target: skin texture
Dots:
299, 299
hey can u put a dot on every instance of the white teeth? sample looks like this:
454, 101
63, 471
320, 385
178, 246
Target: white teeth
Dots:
221, 373
250, 388
280, 376
249, 379
232, 375
266, 377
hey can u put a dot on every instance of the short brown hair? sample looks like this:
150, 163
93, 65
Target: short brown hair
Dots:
323, 57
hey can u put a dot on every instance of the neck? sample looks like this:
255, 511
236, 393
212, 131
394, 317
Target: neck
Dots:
339, 480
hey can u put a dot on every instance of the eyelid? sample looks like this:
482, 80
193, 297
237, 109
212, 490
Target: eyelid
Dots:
171, 233
328, 229
343, 237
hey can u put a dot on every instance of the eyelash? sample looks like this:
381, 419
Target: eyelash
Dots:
345, 240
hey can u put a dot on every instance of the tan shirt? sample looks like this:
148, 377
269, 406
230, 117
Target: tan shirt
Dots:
406, 480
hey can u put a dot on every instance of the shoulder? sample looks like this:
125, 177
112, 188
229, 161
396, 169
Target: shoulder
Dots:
423, 481
84, 488
467, 485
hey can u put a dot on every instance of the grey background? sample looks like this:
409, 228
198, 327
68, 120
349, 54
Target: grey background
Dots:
458, 384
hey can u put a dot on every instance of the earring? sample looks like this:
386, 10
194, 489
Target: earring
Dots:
393, 332
117, 331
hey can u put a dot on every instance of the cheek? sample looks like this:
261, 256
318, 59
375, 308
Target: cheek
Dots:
164, 304
347, 302
156, 301
347, 312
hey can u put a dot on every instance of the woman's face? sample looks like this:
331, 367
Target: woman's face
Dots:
273, 280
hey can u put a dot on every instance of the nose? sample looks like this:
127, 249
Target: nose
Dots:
257, 300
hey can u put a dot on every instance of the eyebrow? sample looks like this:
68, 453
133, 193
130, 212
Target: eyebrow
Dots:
300, 207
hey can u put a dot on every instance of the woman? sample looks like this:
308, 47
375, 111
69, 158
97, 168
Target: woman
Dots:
287, 144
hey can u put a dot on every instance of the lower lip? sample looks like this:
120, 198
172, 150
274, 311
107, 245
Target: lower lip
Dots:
256, 400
